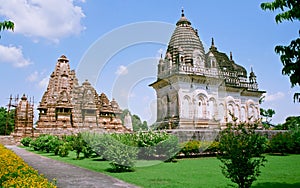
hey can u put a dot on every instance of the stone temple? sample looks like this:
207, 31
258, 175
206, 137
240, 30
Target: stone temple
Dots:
198, 89
67, 107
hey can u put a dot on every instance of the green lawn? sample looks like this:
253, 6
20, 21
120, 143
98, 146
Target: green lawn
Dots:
280, 172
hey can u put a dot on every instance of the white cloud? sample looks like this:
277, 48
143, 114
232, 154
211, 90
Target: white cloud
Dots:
44, 19
33, 77
122, 70
274, 97
43, 83
13, 55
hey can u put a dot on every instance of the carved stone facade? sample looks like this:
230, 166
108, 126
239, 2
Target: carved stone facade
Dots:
23, 119
201, 90
67, 107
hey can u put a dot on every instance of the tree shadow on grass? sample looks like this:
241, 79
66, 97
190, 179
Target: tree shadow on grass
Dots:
276, 185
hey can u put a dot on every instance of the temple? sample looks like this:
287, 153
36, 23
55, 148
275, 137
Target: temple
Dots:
23, 119
67, 107
198, 89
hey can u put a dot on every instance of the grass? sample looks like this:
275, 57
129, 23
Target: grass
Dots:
279, 172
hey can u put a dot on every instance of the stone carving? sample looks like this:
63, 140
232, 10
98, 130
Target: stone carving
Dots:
72, 107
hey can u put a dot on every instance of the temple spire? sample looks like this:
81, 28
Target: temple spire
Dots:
230, 56
212, 47
182, 12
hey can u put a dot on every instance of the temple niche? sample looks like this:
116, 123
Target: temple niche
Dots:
197, 89
67, 107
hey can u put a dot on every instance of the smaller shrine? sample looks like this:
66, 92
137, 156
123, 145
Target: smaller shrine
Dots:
23, 119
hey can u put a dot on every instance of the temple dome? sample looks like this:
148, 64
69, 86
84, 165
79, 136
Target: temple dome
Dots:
185, 38
226, 63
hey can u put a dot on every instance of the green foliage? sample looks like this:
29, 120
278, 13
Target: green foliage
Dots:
63, 150
290, 8
289, 55
7, 25
123, 149
241, 152
78, 145
168, 148
6, 118
121, 156
291, 123
26, 141
47, 143
267, 114
195, 147
137, 124
190, 147
281, 143
285, 142
214, 147
156, 144
296, 140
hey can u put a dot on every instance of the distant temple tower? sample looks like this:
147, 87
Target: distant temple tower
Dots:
67, 106
196, 89
23, 119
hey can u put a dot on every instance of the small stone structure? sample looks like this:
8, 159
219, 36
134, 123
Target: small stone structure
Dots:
23, 119
128, 121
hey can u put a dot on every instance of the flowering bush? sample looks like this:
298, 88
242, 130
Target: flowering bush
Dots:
14, 172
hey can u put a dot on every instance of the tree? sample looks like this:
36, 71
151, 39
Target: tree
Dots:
136, 121
6, 118
291, 123
289, 55
241, 150
267, 114
7, 25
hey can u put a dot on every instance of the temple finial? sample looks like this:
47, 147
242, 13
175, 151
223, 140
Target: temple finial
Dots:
212, 42
182, 12
230, 56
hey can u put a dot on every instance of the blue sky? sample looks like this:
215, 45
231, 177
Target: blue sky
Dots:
44, 30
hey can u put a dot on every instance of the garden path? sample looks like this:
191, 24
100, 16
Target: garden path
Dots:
66, 175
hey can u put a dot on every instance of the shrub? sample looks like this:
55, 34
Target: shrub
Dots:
121, 156
26, 141
46, 142
190, 147
156, 144
168, 148
214, 147
281, 143
296, 141
79, 145
241, 150
63, 150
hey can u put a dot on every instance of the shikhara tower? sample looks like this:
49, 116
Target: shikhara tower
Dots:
198, 89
